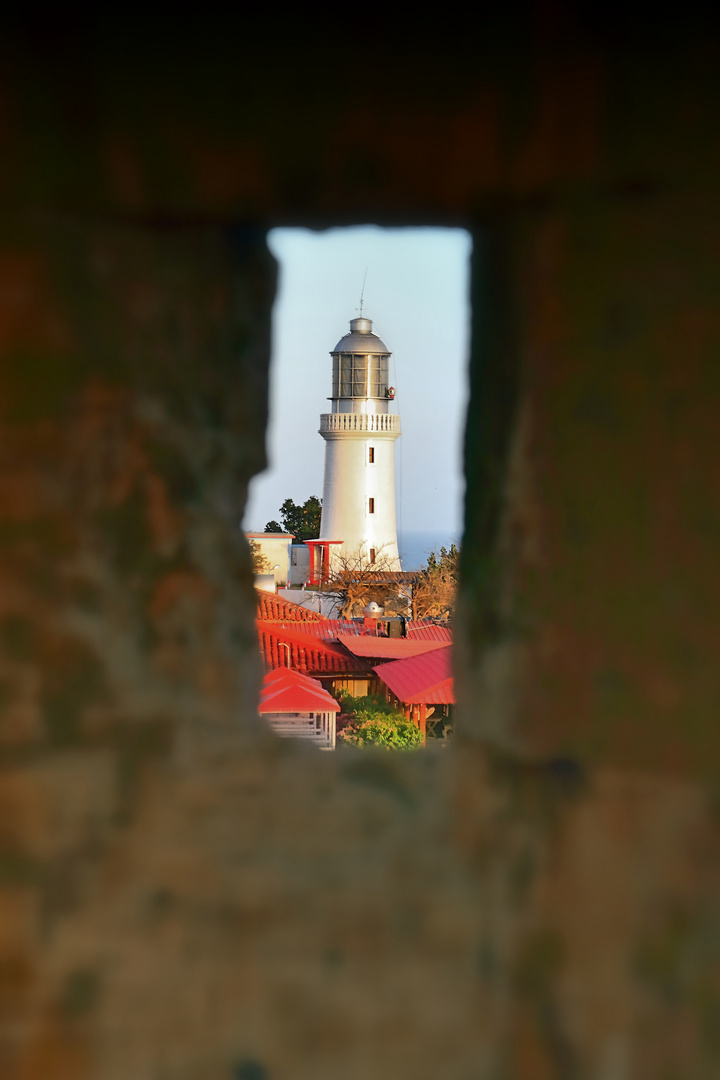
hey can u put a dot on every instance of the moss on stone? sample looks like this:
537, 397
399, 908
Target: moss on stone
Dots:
73, 679
17, 637
127, 532
80, 992
7, 693
50, 535
182, 485
44, 384
16, 868
539, 962
87, 596
136, 744
373, 771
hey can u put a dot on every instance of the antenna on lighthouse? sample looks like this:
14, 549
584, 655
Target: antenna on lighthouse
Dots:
362, 292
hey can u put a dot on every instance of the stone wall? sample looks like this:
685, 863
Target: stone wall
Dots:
183, 896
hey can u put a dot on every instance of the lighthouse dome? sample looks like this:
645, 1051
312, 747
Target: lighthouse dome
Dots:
361, 339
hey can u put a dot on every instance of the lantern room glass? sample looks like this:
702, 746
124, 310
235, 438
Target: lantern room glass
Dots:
358, 375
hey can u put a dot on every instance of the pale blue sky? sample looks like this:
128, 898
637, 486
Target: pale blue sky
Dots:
417, 294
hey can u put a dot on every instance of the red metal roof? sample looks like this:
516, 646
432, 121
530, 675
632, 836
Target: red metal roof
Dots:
272, 607
283, 648
427, 631
392, 648
285, 690
329, 629
424, 679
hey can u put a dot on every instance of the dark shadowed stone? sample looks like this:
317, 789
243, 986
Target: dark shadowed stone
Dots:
248, 1069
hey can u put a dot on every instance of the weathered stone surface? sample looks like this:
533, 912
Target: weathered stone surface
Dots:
180, 895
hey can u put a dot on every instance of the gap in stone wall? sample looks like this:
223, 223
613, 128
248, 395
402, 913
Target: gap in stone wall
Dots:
413, 284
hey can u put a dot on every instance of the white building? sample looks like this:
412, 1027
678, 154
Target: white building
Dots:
276, 548
358, 511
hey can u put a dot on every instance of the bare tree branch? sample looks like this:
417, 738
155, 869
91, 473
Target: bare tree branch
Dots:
355, 582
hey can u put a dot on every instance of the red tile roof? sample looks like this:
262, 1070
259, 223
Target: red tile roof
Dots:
272, 607
285, 690
425, 679
306, 653
392, 648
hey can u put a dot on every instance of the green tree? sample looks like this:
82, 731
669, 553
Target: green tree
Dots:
434, 594
303, 520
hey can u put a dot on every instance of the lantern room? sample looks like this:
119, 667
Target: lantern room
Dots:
361, 363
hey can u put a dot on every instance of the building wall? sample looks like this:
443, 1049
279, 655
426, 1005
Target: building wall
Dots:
327, 605
276, 549
299, 564
180, 894
265, 582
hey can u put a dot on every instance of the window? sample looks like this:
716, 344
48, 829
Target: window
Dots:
371, 455
377, 375
371, 506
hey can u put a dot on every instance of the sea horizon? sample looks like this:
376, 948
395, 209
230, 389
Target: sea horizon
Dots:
416, 545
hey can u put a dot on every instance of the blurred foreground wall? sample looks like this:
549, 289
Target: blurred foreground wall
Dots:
180, 895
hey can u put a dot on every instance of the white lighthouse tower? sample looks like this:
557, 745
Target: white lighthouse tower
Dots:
358, 511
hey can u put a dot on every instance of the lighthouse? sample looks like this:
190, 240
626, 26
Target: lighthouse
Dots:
358, 510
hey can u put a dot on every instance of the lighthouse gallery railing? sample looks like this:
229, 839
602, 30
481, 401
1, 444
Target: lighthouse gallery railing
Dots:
389, 422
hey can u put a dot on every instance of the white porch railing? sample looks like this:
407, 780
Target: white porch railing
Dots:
389, 422
319, 729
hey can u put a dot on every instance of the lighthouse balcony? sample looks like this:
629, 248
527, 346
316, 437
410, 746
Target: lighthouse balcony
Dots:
379, 422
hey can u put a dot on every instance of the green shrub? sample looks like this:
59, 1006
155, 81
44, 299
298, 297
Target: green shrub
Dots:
388, 728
